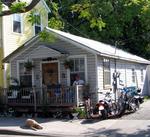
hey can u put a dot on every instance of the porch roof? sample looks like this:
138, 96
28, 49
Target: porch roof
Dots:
44, 51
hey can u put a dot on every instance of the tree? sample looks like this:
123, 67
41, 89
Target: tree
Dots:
16, 7
124, 23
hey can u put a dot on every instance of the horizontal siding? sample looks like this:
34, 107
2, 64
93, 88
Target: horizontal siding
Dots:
13, 66
100, 73
43, 52
37, 73
125, 69
91, 71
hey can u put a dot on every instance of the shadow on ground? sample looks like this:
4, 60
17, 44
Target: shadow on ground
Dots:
102, 132
13, 121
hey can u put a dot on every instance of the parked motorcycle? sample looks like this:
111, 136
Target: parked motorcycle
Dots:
130, 99
105, 107
141, 98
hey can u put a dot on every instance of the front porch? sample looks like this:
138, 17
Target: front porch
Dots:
36, 98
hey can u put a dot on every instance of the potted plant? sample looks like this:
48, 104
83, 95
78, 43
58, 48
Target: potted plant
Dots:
68, 64
28, 65
75, 113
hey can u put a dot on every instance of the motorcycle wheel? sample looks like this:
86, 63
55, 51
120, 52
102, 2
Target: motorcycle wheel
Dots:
137, 104
121, 108
104, 114
134, 105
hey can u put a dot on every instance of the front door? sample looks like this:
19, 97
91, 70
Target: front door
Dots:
50, 73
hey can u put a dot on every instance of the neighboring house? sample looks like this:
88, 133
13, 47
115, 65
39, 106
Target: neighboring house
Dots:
94, 61
146, 88
16, 29
1, 55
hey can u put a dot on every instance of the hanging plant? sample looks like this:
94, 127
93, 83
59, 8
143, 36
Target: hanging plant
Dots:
68, 64
28, 65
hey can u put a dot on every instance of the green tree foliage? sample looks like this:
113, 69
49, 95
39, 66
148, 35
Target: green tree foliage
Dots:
122, 22
18, 6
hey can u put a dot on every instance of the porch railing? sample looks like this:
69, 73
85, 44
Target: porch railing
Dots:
52, 96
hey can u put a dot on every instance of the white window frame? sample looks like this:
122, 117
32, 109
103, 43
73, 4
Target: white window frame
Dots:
133, 75
21, 23
18, 71
142, 75
68, 70
36, 24
105, 86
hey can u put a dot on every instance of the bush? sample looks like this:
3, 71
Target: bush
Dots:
147, 98
81, 112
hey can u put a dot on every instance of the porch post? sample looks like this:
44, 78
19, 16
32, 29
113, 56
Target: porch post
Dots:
34, 94
77, 95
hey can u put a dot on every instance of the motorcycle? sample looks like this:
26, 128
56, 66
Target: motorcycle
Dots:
130, 99
105, 107
141, 98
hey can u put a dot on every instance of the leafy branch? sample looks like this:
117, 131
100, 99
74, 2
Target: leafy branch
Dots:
18, 6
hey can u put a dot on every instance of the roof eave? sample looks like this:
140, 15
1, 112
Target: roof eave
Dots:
122, 58
46, 6
9, 57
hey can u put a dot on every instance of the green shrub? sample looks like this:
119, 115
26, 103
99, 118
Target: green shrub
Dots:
147, 98
81, 112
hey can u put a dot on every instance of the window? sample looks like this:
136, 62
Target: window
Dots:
142, 75
133, 75
37, 25
78, 67
25, 77
106, 72
17, 23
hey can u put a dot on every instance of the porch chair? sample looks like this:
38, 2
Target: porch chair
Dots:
12, 94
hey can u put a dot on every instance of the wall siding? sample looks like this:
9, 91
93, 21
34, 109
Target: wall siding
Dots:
125, 69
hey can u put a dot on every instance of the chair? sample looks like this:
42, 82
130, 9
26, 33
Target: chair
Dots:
13, 94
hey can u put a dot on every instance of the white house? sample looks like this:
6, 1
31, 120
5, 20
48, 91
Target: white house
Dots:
94, 61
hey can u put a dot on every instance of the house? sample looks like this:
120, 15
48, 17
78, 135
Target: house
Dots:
16, 29
146, 87
94, 61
